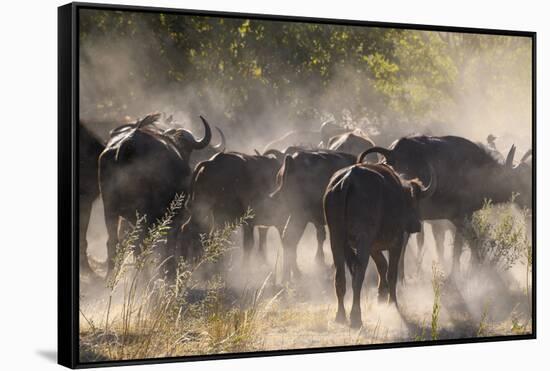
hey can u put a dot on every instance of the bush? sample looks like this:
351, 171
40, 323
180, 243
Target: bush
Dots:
497, 236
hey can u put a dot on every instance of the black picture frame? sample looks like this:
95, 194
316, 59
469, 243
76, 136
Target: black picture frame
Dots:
68, 170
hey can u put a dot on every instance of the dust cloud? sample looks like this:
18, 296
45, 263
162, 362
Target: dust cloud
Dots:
115, 87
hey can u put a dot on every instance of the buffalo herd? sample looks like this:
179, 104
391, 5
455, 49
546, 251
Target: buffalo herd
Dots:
370, 198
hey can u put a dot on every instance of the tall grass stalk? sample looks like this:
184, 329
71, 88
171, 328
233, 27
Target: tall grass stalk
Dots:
482, 329
437, 283
157, 315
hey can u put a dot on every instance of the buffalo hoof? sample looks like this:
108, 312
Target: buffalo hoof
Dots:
355, 322
320, 259
340, 317
383, 297
285, 279
262, 261
86, 270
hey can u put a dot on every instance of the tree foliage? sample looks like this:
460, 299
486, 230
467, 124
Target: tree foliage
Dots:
242, 68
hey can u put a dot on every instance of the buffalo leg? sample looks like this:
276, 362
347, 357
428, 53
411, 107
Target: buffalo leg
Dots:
321, 237
358, 276
292, 235
382, 268
248, 243
401, 266
438, 229
359, 266
395, 257
420, 242
458, 243
172, 251
111, 222
84, 220
262, 237
338, 246
340, 286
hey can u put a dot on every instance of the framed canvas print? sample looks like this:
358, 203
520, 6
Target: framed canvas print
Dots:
237, 185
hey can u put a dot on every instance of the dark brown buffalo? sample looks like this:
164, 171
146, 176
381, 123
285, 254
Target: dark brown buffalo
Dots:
369, 209
440, 227
466, 175
350, 143
301, 183
89, 149
141, 170
222, 189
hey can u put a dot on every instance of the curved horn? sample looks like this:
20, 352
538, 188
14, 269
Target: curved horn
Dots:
221, 146
387, 153
427, 192
510, 158
200, 144
526, 155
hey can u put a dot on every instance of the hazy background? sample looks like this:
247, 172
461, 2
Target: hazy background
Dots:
258, 79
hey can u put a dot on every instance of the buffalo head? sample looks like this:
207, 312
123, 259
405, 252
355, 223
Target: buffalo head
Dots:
521, 177
186, 142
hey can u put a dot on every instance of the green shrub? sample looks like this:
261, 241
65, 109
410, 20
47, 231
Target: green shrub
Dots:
497, 236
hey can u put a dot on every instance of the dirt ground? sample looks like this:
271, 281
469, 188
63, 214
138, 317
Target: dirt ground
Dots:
301, 314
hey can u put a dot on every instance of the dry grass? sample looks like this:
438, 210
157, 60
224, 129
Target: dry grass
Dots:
142, 314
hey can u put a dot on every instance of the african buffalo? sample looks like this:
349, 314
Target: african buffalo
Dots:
141, 170
466, 175
368, 209
440, 227
301, 183
89, 149
222, 189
